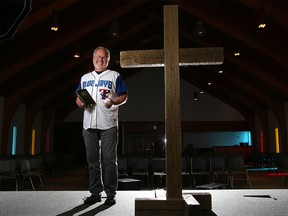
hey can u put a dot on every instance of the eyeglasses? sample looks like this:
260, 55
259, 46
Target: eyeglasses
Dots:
100, 57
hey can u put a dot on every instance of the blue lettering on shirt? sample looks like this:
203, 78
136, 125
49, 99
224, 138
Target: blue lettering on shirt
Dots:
105, 83
88, 83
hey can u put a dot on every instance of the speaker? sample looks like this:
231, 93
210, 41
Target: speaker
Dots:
12, 14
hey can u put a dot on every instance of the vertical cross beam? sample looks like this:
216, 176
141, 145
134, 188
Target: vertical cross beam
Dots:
172, 103
173, 205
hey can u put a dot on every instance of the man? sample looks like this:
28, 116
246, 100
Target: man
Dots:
100, 126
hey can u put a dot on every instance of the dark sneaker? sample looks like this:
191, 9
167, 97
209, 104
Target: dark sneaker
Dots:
110, 200
92, 199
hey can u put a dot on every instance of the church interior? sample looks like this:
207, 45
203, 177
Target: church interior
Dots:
233, 114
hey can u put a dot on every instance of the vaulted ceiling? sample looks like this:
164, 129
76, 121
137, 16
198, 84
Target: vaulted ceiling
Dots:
38, 68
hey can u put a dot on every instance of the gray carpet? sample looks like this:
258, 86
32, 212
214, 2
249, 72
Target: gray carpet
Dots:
224, 203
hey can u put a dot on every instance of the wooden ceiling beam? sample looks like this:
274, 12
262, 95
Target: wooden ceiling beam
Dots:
40, 15
265, 76
269, 100
271, 12
13, 70
28, 88
244, 38
275, 105
235, 96
241, 92
39, 103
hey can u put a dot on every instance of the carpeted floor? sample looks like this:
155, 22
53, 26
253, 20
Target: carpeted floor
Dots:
66, 187
65, 203
68, 203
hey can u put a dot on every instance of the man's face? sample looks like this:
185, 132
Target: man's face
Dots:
100, 60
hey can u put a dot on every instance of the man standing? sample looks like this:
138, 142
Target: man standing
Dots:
100, 126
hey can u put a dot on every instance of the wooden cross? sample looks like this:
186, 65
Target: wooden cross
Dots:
171, 57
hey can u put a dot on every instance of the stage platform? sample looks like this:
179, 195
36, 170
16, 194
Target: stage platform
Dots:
224, 203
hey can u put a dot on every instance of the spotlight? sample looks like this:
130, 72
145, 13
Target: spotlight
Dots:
200, 30
76, 54
261, 18
114, 30
54, 26
195, 98
236, 53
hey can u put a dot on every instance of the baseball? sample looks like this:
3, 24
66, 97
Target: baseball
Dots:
108, 102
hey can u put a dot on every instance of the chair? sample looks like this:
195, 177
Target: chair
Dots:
159, 171
52, 162
8, 172
199, 169
282, 168
185, 170
140, 169
218, 169
122, 168
238, 171
37, 163
28, 172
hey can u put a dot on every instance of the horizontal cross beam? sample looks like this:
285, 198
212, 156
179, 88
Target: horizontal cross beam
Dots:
187, 56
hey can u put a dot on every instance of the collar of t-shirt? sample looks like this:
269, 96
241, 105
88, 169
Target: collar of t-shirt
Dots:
99, 72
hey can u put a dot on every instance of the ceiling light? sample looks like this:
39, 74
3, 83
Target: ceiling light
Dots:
76, 54
261, 25
76, 50
200, 30
195, 98
114, 30
54, 26
236, 53
261, 18
220, 69
236, 49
